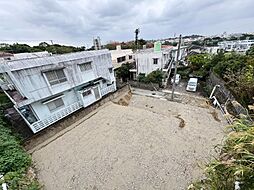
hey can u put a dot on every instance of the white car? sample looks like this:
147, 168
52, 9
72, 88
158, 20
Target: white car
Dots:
178, 78
192, 84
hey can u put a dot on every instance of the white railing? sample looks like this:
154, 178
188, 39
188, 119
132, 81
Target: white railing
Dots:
39, 125
107, 90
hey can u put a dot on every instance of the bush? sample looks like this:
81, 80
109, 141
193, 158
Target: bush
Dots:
153, 77
14, 161
19, 181
12, 156
184, 72
123, 72
142, 78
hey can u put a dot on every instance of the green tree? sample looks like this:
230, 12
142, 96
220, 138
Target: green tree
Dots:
200, 64
43, 46
155, 76
111, 46
250, 51
123, 72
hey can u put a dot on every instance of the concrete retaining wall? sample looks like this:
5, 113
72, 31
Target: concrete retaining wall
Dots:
149, 86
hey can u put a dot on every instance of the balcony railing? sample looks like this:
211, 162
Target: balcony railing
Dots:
107, 90
39, 125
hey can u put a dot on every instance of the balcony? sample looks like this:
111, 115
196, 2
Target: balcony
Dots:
39, 125
108, 89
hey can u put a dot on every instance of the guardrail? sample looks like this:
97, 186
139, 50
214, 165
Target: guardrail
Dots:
107, 90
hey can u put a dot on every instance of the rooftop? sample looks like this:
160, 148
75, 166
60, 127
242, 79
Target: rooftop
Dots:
151, 50
35, 60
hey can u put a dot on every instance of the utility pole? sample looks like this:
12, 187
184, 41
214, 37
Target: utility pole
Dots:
52, 43
137, 31
176, 65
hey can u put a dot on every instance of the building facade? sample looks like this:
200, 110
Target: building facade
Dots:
121, 56
148, 60
237, 45
48, 88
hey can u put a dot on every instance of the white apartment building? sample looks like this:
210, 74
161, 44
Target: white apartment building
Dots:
148, 60
121, 56
236, 45
46, 88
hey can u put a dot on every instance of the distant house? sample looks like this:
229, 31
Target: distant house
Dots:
213, 49
195, 49
236, 45
121, 56
148, 60
46, 88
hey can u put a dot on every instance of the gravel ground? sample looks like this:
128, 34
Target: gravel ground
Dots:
150, 144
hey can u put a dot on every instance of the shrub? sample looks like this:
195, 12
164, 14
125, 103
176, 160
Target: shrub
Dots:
12, 156
153, 77
14, 161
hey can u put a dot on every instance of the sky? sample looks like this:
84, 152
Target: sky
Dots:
76, 22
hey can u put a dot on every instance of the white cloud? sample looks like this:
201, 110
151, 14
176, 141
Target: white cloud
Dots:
77, 21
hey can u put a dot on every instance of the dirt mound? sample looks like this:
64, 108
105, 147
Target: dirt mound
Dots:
124, 100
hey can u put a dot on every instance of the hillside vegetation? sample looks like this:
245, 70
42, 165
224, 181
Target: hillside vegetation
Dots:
14, 161
234, 169
236, 70
43, 46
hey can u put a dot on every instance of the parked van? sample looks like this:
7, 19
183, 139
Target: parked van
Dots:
192, 84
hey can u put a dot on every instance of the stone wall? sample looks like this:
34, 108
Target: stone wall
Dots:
149, 86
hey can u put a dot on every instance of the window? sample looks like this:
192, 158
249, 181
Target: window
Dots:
110, 70
85, 66
54, 105
56, 76
86, 93
155, 61
130, 56
121, 59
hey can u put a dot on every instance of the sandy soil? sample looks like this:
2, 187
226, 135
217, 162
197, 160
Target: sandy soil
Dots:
140, 146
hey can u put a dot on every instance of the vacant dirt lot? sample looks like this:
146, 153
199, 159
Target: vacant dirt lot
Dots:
150, 144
